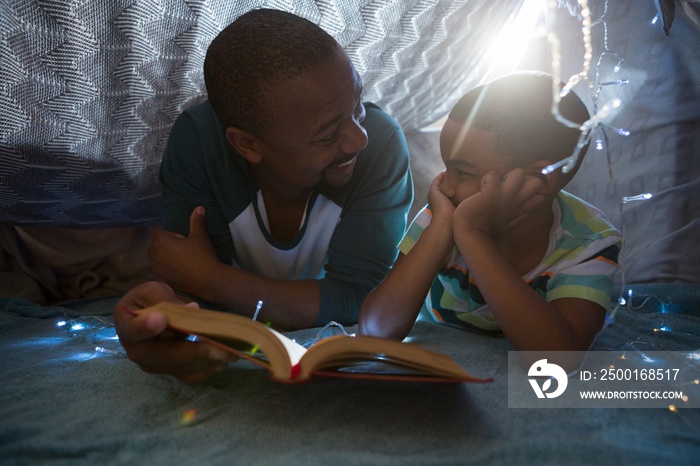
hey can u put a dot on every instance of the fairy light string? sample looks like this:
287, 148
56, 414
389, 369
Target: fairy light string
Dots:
600, 114
96, 330
596, 130
596, 124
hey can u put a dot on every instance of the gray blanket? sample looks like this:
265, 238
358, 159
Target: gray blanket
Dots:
71, 397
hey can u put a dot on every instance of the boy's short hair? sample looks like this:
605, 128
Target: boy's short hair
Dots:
259, 47
518, 109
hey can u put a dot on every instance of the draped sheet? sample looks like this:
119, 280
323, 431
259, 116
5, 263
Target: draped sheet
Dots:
91, 89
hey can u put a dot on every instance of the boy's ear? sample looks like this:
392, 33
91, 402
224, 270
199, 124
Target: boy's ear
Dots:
551, 182
245, 144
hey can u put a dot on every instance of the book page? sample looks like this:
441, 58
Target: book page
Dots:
340, 353
294, 349
235, 333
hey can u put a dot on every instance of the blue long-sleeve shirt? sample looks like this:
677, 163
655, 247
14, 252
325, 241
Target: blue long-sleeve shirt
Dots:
350, 234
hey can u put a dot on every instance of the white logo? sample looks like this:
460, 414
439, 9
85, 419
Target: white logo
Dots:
541, 369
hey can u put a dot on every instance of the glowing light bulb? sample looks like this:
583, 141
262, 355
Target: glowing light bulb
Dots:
100, 349
638, 197
550, 168
602, 114
620, 131
257, 310
620, 82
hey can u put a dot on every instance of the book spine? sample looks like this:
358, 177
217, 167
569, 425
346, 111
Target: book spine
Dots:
296, 370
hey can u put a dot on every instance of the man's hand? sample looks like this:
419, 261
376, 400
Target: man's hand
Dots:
501, 203
155, 349
184, 262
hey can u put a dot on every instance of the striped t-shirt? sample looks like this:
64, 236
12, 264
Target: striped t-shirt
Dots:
580, 260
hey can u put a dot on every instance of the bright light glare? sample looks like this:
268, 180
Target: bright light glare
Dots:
511, 43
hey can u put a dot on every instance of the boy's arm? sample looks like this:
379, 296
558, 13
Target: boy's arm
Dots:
390, 310
529, 321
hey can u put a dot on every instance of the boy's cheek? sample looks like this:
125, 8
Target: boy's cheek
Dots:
466, 191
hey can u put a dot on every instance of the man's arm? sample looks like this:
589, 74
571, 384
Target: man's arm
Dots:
190, 264
197, 167
361, 251
204, 184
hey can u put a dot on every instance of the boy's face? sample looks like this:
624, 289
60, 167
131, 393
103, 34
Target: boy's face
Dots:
468, 155
316, 134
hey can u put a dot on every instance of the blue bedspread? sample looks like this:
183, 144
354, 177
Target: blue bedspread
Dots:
71, 397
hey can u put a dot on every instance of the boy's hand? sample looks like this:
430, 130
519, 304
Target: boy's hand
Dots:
155, 349
440, 205
501, 203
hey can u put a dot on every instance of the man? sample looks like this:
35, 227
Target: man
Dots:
283, 188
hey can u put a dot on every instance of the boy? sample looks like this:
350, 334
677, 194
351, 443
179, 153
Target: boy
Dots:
512, 252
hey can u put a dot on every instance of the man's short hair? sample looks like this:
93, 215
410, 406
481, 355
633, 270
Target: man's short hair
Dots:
260, 46
518, 109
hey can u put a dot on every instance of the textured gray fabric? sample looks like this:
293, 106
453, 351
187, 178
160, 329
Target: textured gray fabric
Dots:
90, 89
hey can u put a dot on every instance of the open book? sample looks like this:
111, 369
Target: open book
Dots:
336, 356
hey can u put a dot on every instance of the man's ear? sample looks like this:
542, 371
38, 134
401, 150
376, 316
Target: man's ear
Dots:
245, 144
551, 182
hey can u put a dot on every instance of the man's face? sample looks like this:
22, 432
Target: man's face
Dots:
316, 133
468, 156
